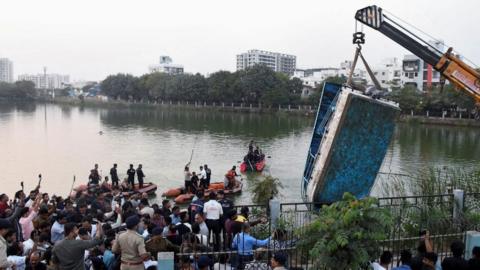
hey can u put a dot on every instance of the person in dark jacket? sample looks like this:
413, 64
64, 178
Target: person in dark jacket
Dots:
474, 262
456, 262
131, 176
114, 175
140, 176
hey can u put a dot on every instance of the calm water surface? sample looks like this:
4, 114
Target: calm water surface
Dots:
62, 142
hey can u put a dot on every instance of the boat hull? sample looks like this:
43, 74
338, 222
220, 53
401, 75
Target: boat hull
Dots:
350, 140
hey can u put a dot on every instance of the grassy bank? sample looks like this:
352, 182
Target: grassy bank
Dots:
242, 108
439, 121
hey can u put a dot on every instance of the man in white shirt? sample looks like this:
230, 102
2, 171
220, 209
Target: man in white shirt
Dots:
203, 177
145, 208
213, 210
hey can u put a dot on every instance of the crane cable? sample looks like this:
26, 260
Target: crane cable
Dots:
424, 33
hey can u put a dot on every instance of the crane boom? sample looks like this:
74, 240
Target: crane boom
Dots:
450, 66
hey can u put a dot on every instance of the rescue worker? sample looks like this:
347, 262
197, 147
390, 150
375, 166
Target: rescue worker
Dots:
114, 175
131, 246
140, 176
94, 176
230, 177
131, 176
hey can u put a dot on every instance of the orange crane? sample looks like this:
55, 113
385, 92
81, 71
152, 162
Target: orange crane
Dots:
450, 66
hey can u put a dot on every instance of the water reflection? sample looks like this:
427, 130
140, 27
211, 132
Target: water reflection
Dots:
256, 126
443, 144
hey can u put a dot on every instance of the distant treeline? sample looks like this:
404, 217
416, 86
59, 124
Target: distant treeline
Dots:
433, 99
20, 90
258, 84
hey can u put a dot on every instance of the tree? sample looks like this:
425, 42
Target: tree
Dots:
25, 89
346, 234
119, 86
408, 97
220, 86
17, 90
265, 189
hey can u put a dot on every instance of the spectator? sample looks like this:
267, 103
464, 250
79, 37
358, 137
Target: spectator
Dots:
456, 262
196, 207
27, 216
57, 231
15, 256
429, 261
145, 208
203, 239
425, 245
474, 262
183, 227
222, 263
69, 253
203, 263
278, 261
108, 256
405, 260
175, 215
385, 260
158, 218
35, 263
166, 205
159, 244
257, 263
199, 219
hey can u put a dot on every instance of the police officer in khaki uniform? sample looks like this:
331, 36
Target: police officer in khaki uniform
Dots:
131, 246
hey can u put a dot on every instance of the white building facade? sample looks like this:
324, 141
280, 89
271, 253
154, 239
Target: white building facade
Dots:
6, 70
278, 62
166, 66
314, 77
417, 73
389, 73
46, 81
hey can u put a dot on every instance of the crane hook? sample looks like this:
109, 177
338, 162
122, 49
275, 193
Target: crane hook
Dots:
359, 38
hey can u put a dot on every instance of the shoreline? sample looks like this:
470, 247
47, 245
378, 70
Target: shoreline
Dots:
439, 121
304, 110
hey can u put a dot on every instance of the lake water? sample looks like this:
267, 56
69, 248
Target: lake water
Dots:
61, 142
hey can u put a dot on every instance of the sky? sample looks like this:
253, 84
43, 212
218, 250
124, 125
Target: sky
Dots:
91, 39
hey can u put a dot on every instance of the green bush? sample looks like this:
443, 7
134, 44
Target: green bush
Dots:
346, 234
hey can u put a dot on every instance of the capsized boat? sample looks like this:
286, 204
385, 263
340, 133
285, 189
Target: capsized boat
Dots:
350, 138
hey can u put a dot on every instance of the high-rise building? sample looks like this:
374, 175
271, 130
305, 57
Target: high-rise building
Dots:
166, 66
46, 81
278, 62
6, 70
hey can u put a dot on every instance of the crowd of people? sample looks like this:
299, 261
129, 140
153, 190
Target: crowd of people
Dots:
101, 228
427, 259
